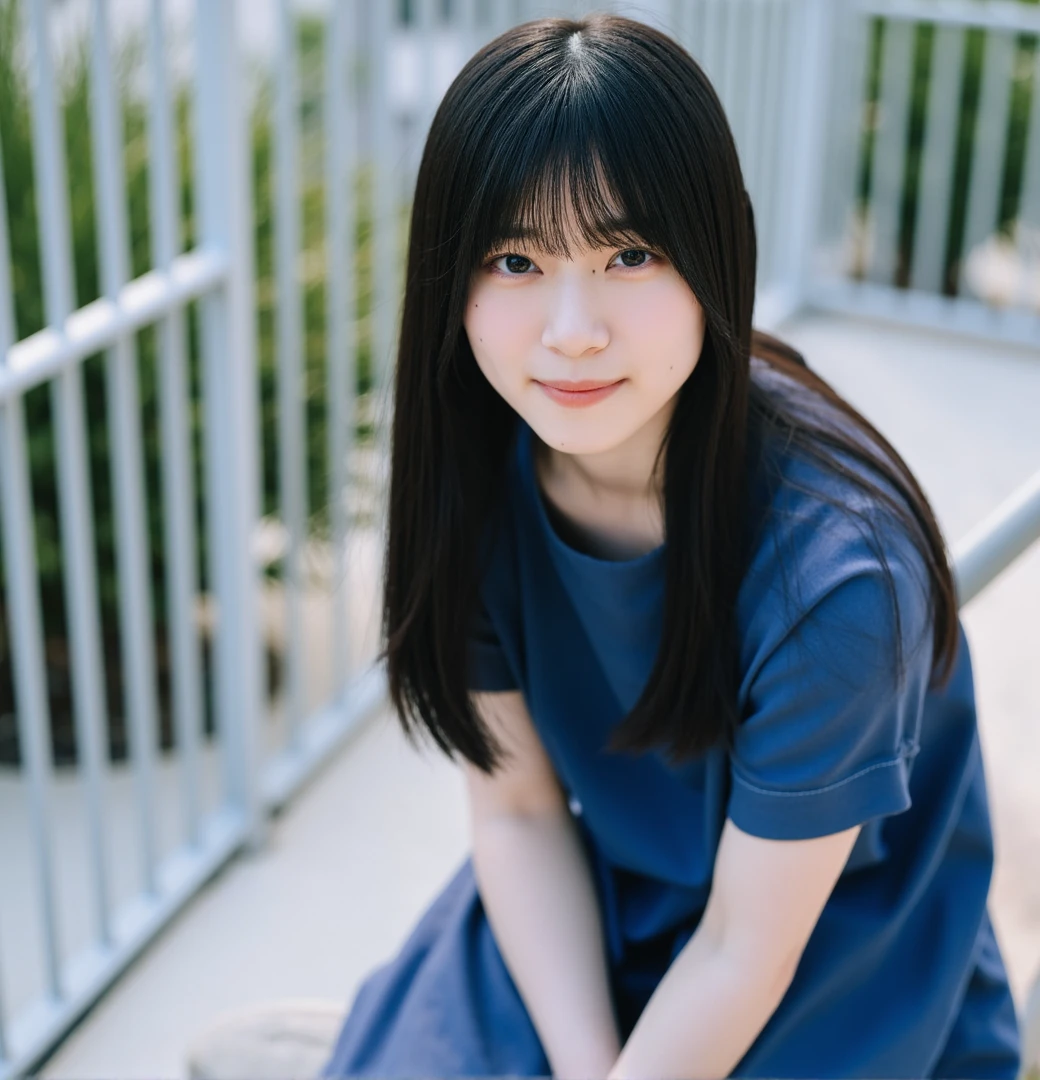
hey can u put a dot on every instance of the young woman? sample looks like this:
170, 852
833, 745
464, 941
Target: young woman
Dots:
684, 617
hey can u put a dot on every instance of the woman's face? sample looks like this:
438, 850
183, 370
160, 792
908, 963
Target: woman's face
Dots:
620, 316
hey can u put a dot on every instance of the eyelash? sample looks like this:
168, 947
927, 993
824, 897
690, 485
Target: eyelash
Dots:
490, 264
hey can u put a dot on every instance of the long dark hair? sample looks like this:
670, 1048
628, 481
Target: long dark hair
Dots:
610, 120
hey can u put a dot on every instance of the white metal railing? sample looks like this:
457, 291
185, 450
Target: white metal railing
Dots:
998, 540
217, 273
773, 62
857, 266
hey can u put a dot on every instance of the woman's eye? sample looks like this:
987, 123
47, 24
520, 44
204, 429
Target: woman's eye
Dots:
515, 265
511, 265
641, 255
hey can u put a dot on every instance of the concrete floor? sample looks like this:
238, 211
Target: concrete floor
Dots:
355, 859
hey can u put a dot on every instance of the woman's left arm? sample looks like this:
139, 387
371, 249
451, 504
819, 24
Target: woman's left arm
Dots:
720, 991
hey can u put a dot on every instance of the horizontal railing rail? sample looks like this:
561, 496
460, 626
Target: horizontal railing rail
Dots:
98, 325
1000, 538
983, 14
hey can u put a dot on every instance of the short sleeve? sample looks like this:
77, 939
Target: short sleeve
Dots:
829, 730
488, 665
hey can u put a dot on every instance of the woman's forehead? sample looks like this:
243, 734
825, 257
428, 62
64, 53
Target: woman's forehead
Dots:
564, 206
609, 230
558, 226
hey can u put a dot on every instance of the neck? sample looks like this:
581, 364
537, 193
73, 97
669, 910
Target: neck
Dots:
625, 471
612, 497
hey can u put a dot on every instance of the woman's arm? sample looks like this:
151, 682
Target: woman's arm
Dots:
720, 991
537, 891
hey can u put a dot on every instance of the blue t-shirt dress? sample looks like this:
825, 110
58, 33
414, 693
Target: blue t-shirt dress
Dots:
902, 976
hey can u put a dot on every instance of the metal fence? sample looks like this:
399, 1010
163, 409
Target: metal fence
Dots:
795, 77
931, 211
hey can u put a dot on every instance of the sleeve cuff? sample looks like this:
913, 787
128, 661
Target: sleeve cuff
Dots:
876, 791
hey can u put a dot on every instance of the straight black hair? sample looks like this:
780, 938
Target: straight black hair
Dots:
609, 120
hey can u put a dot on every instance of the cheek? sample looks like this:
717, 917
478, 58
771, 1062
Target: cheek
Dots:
481, 329
667, 324
496, 333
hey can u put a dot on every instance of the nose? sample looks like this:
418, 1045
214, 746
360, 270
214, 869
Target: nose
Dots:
573, 324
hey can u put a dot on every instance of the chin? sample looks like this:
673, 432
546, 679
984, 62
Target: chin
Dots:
578, 436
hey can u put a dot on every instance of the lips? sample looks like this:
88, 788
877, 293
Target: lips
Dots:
579, 395
577, 387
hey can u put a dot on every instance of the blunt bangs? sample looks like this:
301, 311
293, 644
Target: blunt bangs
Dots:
586, 133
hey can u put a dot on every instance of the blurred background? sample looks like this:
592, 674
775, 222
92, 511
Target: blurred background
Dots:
204, 803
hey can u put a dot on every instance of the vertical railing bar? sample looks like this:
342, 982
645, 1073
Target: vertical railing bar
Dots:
133, 558
762, 194
178, 481
424, 29
937, 159
678, 17
734, 84
500, 17
25, 626
710, 29
466, 27
886, 189
341, 307
809, 61
695, 30
163, 176
989, 144
74, 492
840, 198
751, 127
1029, 203
481, 23
28, 679
771, 151
49, 149
224, 201
385, 204
214, 331
292, 467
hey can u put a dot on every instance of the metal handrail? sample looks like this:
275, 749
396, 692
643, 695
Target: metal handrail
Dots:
997, 540
1000, 15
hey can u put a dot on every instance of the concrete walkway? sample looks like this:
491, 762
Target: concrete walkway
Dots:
355, 859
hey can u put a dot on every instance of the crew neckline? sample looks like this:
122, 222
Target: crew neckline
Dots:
525, 445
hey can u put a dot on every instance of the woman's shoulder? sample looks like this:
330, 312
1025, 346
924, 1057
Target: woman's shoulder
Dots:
829, 472
821, 516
